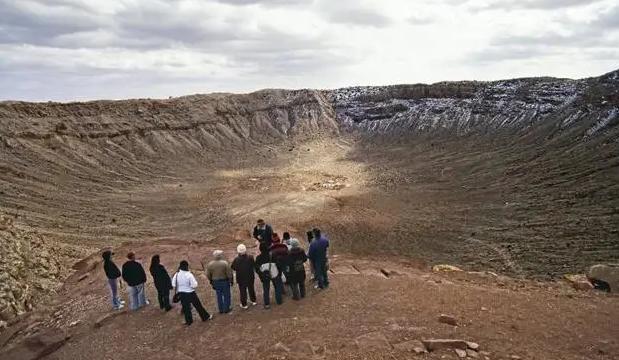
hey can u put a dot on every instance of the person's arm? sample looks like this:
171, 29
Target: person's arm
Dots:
209, 274
255, 234
192, 280
234, 264
230, 274
125, 271
173, 283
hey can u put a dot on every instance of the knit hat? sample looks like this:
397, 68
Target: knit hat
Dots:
241, 249
294, 243
218, 254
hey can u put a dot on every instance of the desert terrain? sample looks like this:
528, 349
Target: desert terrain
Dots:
515, 182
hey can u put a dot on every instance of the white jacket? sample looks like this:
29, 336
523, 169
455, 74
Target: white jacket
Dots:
184, 282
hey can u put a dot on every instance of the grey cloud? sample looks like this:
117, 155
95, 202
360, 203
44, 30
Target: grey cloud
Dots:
536, 4
267, 2
358, 16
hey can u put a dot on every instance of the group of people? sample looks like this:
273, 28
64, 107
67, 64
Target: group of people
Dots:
280, 265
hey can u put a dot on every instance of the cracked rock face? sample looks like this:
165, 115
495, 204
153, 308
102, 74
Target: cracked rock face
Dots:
29, 267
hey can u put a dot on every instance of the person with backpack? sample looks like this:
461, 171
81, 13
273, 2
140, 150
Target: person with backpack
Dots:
263, 232
219, 274
135, 277
268, 273
185, 284
112, 273
162, 281
243, 266
318, 256
279, 254
296, 277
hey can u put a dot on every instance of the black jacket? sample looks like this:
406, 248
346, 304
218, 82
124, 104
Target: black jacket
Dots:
161, 278
266, 234
243, 265
111, 270
133, 273
296, 259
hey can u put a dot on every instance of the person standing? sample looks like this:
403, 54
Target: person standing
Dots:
219, 274
279, 255
243, 265
318, 256
263, 232
267, 272
112, 273
296, 277
185, 285
162, 281
135, 277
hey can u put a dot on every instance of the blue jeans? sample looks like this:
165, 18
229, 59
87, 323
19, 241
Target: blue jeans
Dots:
278, 285
137, 296
320, 272
222, 290
113, 283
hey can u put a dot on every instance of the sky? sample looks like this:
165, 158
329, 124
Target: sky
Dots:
67, 50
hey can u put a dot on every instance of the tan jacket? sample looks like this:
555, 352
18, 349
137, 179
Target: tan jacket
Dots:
219, 270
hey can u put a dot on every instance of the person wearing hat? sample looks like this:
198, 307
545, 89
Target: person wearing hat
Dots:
219, 274
296, 274
243, 266
135, 277
112, 273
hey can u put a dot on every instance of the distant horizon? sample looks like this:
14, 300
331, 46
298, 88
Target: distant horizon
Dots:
83, 50
293, 89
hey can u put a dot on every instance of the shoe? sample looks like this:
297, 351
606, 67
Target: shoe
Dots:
122, 302
228, 311
267, 307
168, 309
187, 324
119, 307
210, 317
254, 303
244, 307
316, 287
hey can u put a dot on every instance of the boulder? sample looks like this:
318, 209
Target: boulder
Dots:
579, 282
461, 353
373, 341
438, 344
101, 320
37, 346
448, 319
445, 268
605, 274
472, 345
415, 346
472, 354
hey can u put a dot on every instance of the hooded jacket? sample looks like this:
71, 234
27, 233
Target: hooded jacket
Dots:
111, 270
161, 278
297, 258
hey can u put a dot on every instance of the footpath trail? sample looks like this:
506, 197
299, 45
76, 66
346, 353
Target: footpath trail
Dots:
373, 310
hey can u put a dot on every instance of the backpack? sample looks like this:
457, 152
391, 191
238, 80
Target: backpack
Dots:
269, 270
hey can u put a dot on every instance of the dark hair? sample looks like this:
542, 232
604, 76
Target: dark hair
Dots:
310, 236
316, 232
154, 261
184, 265
286, 235
107, 255
260, 221
131, 255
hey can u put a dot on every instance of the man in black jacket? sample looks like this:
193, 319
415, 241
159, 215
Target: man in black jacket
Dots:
135, 277
243, 265
263, 232
112, 273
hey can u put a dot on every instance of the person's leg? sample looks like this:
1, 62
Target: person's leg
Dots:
326, 272
252, 293
302, 289
132, 293
186, 304
166, 300
266, 296
195, 300
113, 283
295, 290
318, 274
243, 293
227, 296
219, 291
141, 294
278, 285
160, 298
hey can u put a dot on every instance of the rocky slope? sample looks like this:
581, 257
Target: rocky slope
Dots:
77, 176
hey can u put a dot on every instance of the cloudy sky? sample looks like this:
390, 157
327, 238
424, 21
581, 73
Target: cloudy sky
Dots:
89, 49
